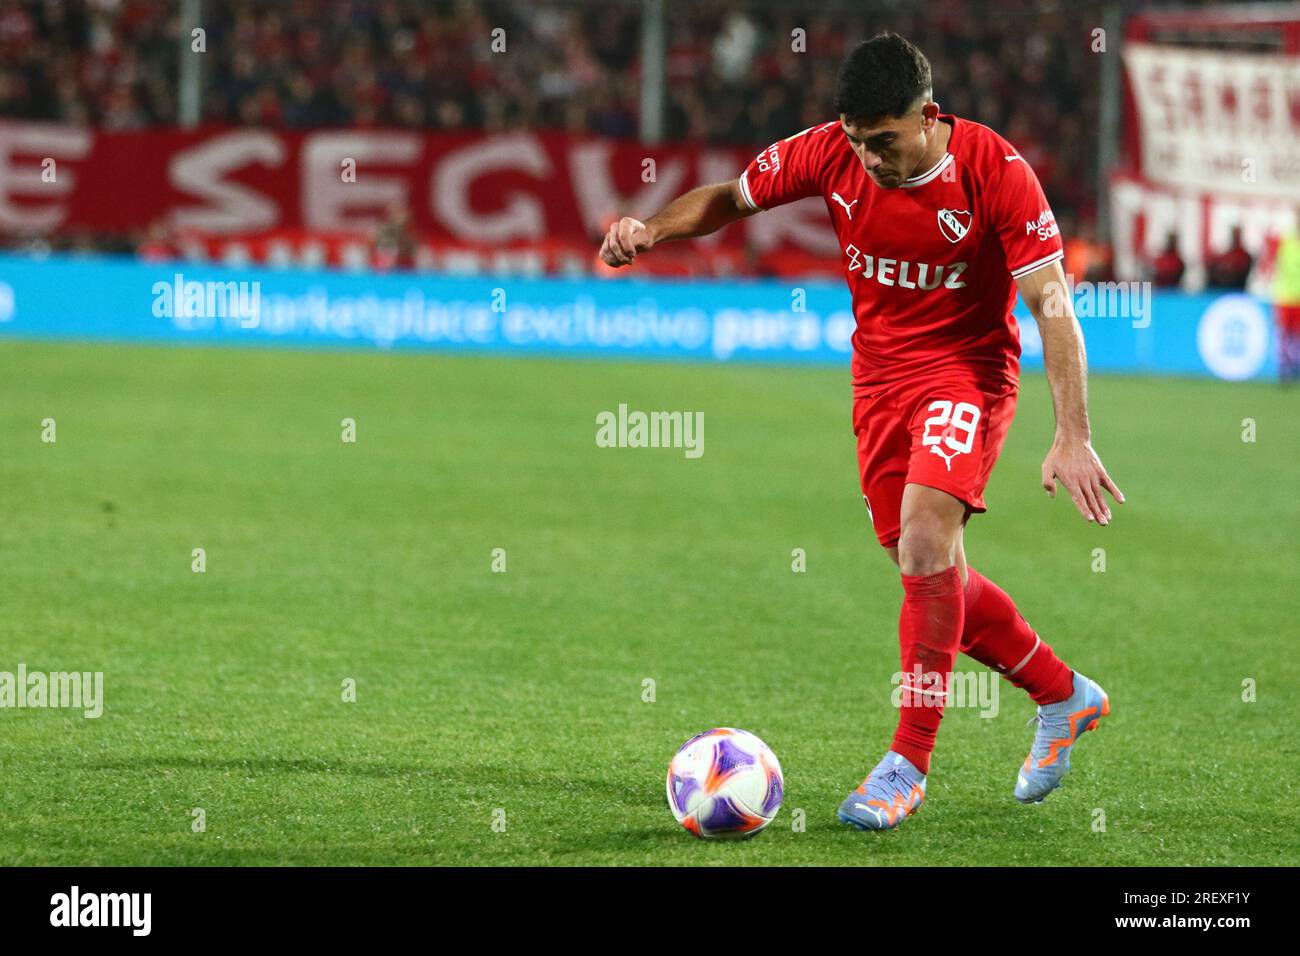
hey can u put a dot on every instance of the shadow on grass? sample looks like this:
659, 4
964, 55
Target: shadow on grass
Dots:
268, 764
544, 785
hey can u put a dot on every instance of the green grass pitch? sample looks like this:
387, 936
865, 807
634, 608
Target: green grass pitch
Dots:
523, 690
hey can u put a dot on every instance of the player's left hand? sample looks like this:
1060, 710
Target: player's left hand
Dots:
1076, 466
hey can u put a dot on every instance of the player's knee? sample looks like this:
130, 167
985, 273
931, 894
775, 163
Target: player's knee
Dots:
925, 546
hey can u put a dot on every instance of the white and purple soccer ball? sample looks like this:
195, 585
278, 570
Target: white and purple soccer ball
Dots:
724, 783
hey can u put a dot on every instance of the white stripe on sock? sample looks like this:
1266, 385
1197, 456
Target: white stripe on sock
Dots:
1032, 652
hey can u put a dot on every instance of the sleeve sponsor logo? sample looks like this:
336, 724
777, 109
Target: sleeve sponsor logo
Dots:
1045, 226
770, 159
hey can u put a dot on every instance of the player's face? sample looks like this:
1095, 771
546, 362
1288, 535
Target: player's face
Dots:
889, 149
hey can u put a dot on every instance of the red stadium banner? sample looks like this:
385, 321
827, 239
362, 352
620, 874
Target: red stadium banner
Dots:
1212, 121
1211, 136
485, 190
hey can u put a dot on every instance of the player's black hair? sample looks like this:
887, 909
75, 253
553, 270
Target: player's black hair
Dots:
881, 78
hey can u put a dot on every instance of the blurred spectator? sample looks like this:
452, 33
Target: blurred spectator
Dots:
158, 244
1168, 268
1086, 257
1286, 301
1231, 268
395, 241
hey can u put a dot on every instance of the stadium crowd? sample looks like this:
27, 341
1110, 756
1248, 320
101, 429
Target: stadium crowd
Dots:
737, 73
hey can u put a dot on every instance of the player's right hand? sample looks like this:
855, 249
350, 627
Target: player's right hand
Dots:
1076, 466
624, 240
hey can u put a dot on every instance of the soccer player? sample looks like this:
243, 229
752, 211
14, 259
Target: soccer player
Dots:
940, 222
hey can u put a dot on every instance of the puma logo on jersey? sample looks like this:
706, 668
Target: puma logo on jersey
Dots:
1013, 157
848, 206
905, 274
947, 459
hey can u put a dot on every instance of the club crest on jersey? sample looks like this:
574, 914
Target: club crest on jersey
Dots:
954, 223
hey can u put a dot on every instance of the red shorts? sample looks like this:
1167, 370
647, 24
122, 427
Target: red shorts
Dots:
943, 432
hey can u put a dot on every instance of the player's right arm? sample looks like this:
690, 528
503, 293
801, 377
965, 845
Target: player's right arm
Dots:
697, 213
782, 173
1033, 248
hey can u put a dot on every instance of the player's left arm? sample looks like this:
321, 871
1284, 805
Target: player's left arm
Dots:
1071, 460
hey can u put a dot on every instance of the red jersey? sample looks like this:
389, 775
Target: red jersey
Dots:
931, 264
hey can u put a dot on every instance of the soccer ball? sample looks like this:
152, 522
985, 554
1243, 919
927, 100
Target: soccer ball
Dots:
724, 784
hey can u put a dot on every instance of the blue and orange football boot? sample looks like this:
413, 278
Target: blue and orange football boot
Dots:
891, 792
1059, 727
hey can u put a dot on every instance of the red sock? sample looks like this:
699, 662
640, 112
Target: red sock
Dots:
929, 631
998, 637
